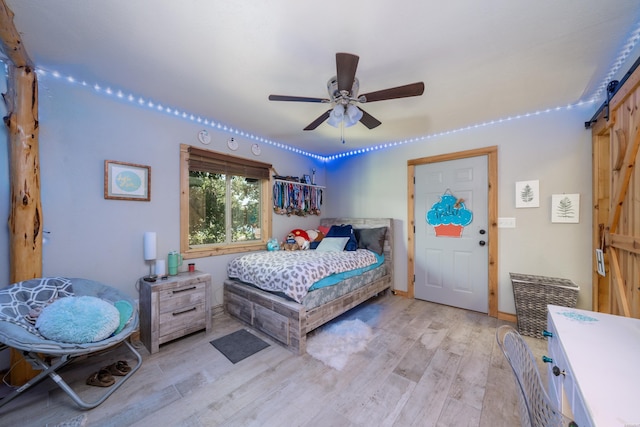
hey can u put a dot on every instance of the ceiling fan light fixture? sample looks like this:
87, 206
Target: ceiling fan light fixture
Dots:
343, 90
354, 114
336, 116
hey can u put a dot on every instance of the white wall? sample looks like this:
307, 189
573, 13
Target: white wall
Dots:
553, 148
102, 239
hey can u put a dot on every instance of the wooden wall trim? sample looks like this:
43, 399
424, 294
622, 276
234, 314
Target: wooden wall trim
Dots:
25, 213
10, 41
492, 184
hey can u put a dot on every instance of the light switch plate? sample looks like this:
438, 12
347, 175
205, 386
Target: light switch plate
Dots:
506, 223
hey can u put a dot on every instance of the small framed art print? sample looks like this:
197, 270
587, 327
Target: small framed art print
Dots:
127, 181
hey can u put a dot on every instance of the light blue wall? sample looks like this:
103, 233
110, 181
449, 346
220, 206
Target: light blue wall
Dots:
553, 148
102, 239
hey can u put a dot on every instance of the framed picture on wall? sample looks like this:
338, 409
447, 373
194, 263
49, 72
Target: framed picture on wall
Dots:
565, 208
527, 194
127, 181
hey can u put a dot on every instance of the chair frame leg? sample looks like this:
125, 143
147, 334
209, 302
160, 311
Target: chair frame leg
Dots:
50, 370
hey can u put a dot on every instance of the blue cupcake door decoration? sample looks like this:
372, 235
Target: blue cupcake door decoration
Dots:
449, 216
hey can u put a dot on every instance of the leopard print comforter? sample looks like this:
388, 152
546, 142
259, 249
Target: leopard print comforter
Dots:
294, 272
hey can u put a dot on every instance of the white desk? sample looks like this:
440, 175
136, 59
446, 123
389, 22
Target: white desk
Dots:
600, 354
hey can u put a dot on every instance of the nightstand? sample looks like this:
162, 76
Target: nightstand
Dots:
174, 307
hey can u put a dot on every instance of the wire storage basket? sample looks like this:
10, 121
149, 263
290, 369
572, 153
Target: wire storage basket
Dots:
532, 294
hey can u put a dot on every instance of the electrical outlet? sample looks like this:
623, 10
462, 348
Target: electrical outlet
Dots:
506, 223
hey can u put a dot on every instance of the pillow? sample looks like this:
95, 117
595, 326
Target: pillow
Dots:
344, 231
17, 300
125, 310
78, 320
371, 238
332, 244
323, 229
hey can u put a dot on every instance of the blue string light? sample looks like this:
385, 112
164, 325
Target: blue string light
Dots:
620, 60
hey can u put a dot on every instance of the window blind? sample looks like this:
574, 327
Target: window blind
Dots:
213, 162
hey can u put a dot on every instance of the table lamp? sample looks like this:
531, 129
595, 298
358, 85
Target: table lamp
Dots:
150, 253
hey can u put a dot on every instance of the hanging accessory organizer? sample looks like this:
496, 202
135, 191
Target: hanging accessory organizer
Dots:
295, 198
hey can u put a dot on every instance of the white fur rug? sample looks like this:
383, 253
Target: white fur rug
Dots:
332, 344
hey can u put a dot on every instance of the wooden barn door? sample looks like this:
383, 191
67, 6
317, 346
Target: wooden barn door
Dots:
616, 195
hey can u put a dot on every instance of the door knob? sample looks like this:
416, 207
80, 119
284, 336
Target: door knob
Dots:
482, 243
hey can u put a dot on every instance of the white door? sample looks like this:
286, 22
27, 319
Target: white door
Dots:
452, 270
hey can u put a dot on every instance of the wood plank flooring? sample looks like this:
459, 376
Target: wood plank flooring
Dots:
427, 365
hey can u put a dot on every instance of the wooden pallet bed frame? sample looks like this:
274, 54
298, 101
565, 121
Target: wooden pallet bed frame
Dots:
288, 322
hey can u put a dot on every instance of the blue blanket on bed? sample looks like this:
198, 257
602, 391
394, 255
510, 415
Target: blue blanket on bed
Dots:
337, 277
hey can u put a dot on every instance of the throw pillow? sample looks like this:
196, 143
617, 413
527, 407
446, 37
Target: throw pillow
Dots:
344, 231
125, 310
78, 320
332, 244
371, 238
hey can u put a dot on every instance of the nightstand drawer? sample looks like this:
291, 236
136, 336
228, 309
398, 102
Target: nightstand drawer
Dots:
177, 297
183, 320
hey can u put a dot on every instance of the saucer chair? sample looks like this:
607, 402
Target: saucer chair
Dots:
49, 355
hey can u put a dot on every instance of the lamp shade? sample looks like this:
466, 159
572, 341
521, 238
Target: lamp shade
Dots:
353, 116
149, 245
336, 116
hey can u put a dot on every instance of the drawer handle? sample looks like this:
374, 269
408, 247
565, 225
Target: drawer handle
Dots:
547, 334
546, 359
184, 290
557, 372
177, 313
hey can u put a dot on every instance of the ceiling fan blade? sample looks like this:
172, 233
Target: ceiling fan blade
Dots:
314, 124
346, 65
413, 89
296, 98
368, 120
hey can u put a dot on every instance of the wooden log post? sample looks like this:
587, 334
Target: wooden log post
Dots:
25, 216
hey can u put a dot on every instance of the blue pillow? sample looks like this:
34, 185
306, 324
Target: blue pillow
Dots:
126, 310
79, 320
344, 231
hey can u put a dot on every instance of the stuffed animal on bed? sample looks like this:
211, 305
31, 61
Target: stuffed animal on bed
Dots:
315, 236
302, 238
290, 244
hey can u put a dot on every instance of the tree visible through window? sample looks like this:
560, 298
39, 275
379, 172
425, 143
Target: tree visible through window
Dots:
209, 210
223, 202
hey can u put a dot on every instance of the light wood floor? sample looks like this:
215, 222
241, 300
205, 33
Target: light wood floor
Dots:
427, 365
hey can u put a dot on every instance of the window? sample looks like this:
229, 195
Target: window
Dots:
224, 203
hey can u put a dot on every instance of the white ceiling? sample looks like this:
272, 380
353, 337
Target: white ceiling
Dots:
480, 60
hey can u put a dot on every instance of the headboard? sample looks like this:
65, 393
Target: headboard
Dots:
370, 223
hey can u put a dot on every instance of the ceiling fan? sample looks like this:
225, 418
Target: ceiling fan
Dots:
343, 96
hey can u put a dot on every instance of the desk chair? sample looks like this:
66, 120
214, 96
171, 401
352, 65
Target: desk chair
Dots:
535, 407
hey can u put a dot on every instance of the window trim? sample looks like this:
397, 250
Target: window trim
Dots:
265, 209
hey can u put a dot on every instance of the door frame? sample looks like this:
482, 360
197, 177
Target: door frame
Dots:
492, 201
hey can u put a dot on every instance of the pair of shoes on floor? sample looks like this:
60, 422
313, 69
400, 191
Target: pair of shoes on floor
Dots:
104, 377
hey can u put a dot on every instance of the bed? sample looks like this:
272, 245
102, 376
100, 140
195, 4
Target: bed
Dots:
287, 321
